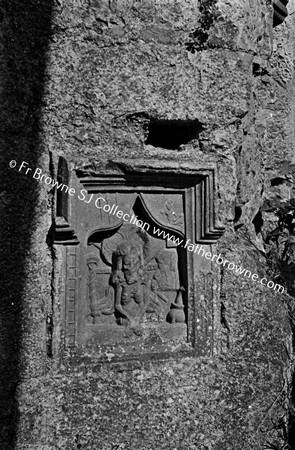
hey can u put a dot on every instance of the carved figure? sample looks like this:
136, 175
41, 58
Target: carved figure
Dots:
129, 284
176, 313
164, 275
142, 284
101, 302
171, 216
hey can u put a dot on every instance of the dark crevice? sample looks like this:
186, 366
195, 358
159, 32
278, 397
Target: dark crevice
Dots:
223, 320
61, 196
171, 134
277, 181
259, 71
49, 314
258, 222
238, 213
49, 242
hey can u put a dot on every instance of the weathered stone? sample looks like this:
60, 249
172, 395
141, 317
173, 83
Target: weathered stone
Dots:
182, 114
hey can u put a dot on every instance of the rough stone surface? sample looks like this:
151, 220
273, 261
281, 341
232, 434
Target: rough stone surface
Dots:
85, 80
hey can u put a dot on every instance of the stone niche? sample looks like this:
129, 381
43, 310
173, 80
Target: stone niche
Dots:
129, 285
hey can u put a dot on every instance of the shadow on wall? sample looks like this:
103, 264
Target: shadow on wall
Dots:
25, 29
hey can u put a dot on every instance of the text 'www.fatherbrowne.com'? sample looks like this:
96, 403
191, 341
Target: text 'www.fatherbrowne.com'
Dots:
100, 203
218, 259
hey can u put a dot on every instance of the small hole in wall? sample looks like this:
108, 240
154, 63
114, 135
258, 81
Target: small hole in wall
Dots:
170, 134
257, 70
277, 181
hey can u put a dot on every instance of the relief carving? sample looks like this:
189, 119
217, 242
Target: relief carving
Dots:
171, 216
123, 279
131, 297
100, 298
176, 313
143, 281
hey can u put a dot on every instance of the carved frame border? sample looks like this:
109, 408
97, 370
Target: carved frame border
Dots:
207, 229
201, 194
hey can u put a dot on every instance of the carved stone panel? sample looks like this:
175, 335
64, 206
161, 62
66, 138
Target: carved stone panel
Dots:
129, 280
133, 281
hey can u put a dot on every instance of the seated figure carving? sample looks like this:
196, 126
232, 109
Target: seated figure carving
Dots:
143, 283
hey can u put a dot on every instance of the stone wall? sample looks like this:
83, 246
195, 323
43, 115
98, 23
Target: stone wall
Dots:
102, 82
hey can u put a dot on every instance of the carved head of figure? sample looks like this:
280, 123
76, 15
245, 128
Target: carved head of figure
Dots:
169, 205
129, 262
